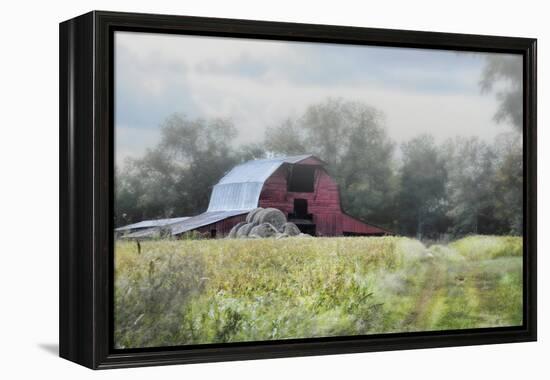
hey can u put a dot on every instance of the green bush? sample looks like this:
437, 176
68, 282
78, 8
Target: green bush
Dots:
479, 247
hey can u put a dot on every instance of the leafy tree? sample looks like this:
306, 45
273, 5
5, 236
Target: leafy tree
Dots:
470, 165
422, 201
328, 126
127, 192
286, 138
508, 183
504, 74
365, 170
351, 139
175, 177
249, 152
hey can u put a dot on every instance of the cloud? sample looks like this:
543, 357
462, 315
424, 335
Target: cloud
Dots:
133, 142
259, 83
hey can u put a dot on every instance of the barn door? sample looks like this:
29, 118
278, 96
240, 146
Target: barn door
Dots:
300, 208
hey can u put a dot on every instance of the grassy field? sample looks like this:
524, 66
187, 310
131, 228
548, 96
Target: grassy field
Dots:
211, 291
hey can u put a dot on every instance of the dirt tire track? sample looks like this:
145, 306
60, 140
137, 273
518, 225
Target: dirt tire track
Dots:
434, 277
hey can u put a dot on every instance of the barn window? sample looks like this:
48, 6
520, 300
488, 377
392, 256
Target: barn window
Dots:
301, 179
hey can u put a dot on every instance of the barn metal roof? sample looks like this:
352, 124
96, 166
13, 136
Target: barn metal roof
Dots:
204, 219
189, 224
240, 188
258, 170
144, 233
151, 223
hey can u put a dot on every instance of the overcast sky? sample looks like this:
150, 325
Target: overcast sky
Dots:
259, 83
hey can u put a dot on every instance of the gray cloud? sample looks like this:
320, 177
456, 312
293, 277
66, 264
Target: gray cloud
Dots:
259, 83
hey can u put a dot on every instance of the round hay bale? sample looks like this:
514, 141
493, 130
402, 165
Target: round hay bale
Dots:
233, 232
272, 216
263, 230
250, 216
244, 230
291, 229
281, 236
256, 216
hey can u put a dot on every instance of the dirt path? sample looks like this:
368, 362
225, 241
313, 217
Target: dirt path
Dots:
434, 278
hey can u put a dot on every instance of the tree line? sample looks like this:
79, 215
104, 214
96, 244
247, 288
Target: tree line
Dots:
461, 186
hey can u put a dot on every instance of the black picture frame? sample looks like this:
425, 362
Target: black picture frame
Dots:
86, 188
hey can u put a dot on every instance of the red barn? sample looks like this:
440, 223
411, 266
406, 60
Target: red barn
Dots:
299, 186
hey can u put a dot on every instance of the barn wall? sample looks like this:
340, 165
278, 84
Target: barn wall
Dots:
323, 202
355, 226
324, 199
223, 226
